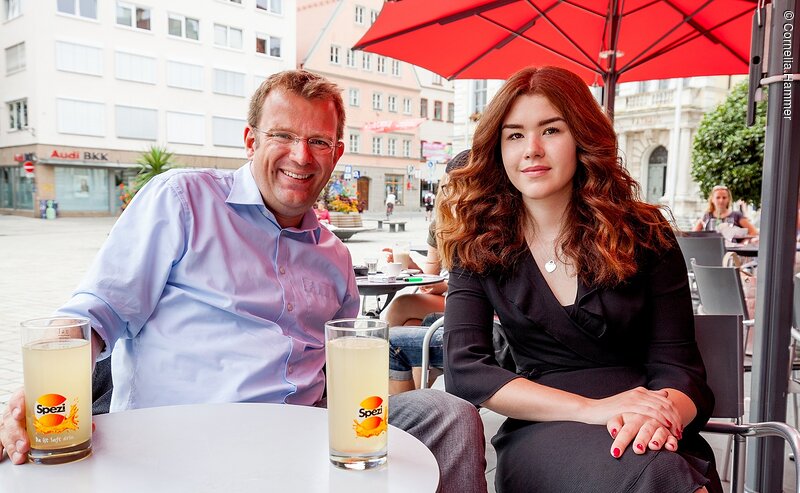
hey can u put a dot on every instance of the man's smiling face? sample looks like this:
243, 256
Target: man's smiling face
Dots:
291, 176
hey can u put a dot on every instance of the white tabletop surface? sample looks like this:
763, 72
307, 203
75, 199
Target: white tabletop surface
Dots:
222, 448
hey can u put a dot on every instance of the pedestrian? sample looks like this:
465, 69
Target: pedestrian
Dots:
391, 198
222, 283
429, 201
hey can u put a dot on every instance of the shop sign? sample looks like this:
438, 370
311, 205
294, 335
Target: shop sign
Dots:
28, 156
86, 156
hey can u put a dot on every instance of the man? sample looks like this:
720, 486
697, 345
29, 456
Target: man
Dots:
391, 198
214, 286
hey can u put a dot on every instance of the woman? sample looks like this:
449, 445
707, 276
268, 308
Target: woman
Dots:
544, 229
719, 212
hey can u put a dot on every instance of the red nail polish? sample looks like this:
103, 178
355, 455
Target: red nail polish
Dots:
616, 452
655, 443
639, 446
613, 433
668, 423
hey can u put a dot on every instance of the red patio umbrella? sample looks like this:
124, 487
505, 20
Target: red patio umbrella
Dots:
603, 41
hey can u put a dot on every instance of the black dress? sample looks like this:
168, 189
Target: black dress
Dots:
611, 340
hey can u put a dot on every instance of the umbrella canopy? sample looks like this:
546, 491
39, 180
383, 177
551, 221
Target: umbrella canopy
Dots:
603, 41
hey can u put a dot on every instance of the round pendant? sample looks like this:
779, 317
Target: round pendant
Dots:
550, 266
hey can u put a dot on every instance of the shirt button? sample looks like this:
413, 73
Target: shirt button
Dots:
282, 270
289, 307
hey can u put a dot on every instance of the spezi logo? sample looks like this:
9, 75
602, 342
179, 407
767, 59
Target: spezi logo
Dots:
370, 411
51, 416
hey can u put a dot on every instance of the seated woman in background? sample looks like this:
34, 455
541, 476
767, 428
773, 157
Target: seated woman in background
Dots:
410, 309
323, 215
719, 212
544, 228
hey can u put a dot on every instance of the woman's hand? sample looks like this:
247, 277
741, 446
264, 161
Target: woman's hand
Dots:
439, 288
641, 433
653, 404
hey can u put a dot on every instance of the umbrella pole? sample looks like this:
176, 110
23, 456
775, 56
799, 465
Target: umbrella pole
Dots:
779, 194
609, 93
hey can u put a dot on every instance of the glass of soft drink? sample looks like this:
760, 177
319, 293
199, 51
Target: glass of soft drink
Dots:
357, 367
402, 253
57, 369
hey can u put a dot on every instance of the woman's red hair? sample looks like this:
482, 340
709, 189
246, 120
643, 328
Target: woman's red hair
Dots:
481, 219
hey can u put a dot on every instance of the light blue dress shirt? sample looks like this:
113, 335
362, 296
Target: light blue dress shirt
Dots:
208, 299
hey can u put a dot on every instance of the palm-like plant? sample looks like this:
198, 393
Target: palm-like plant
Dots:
151, 163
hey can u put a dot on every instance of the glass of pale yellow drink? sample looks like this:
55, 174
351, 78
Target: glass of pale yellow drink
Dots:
357, 368
57, 369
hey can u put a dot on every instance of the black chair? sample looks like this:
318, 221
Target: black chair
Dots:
719, 338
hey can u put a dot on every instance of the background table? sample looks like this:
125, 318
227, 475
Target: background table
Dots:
222, 448
390, 288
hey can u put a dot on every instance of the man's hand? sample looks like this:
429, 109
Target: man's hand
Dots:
13, 437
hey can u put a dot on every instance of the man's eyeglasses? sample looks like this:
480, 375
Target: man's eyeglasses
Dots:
318, 145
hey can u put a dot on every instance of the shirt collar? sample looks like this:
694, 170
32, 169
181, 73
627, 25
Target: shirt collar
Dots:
244, 191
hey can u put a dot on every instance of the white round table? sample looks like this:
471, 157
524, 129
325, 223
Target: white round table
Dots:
222, 448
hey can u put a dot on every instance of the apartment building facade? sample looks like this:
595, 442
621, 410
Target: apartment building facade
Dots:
388, 117
87, 86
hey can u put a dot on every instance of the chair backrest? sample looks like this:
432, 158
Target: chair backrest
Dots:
700, 233
706, 250
720, 290
719, 338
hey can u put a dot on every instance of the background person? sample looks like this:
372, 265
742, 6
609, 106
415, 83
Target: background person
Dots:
391, 198
323, 215
405, 343
229, 279
544, 229
720, 203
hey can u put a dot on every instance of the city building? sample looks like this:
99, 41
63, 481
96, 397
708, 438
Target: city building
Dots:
392, 109
87, 86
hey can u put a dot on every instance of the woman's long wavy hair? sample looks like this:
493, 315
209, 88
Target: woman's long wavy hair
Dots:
482, 220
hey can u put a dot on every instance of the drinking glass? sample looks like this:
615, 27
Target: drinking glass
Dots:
357, 368
57, 369
372, 264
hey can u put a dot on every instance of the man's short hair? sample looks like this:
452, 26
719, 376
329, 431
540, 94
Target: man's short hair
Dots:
302, 83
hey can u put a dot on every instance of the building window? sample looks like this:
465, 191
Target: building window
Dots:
18, 114
479, 96
82, 59
227, 132
80, 117
227, 36
377, 101
184, 27
228, 82
268, 45
11, 9
366, 61
377, 143
355, 141
137, 123
274, 6
136, 68
393, 104
335, 54
185, 128
381, 64
355, 97
350, 58
392, 147
423, 108
396, 67
406, 148
437, 80
359, 14
185, 75
407, 106
373, 15
437, 110
394, 184
15, 58
81, 8
451, 112
133, 16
